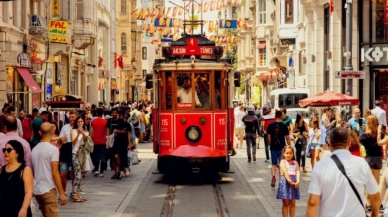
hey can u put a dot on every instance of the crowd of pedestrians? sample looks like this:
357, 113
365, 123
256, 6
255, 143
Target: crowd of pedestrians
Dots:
41, 151
346, 156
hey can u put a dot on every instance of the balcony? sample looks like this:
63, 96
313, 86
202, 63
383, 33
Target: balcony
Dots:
84, 32
38, 27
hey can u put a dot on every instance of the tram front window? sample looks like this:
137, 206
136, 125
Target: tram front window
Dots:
185, 96
203, 89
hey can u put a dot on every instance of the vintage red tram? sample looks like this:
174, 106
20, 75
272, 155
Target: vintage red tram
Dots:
193, 114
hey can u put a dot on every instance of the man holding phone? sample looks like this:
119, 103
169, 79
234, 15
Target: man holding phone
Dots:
357, 123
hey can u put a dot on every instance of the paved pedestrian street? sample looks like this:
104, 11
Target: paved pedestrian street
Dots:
247, 192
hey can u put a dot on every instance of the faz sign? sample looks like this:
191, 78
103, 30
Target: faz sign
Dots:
374, 54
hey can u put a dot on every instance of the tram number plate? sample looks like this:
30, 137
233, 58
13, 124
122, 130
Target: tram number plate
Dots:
195, 160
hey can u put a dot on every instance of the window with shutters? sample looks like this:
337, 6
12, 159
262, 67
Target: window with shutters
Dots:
262, 11
144, 74
144, 53
80, 9
123, 6
123, 42
73, 82
289, 11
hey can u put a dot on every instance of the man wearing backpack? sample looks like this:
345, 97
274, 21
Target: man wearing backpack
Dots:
135, 120
266, 120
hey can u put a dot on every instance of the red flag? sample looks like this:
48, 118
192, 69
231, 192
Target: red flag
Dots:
115, 62
331, 4
120, 62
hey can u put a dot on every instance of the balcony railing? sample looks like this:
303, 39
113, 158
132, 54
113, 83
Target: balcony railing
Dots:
38, 26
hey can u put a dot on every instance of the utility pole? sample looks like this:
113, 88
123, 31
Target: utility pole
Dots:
348, 53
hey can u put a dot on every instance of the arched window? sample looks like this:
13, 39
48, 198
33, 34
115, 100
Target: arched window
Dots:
123, 42
123, 6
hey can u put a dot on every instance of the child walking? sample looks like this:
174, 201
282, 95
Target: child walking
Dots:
289, 182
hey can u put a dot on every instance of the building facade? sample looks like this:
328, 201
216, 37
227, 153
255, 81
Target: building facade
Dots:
23, 38
373, 36
299, 43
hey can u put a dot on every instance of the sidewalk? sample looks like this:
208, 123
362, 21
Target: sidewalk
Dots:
258, 176
106, 197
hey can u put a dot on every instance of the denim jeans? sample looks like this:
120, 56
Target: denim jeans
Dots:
266, 146
99, 156
251, 141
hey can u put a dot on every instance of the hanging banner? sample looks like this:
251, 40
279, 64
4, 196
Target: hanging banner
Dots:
55, 9
59, 31
228, 24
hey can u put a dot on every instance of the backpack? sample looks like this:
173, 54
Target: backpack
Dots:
267, 122
135, 120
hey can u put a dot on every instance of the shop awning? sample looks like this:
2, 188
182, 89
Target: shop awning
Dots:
27, 77
261, 45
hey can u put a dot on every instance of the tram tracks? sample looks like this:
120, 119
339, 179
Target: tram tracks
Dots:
218, 197
168, 206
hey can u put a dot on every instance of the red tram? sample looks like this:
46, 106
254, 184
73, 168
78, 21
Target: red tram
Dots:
193, 114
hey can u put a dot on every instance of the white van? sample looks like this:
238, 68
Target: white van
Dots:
289, 98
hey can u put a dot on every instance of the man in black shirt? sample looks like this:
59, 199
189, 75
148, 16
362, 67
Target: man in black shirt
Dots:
118, 151
251, 128
277, 135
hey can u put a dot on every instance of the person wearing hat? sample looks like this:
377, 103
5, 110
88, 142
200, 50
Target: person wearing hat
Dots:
185, 95
251, 128
380, 113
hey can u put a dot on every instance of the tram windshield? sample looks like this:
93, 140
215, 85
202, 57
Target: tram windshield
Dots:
193, 89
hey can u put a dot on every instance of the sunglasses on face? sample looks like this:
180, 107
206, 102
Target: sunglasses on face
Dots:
8, 150
357, 113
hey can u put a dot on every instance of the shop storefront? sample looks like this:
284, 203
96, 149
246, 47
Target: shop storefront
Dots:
374, 52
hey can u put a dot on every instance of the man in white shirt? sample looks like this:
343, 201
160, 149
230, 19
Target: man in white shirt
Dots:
43, 108
331, 194
65, 159
45, 158
380, 113
185, 95
239, 126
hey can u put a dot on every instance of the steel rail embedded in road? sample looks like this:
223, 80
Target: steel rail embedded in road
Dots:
168, 206
222, 208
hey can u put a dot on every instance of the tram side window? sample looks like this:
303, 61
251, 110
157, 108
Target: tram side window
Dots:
217, 88
168, 91
202, 87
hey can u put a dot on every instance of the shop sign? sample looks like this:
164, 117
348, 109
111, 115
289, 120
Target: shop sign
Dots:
374, 54
23, 59
59, 31
55, 9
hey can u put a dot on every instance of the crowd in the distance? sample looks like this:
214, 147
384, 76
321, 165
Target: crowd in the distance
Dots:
328, 141
41, 151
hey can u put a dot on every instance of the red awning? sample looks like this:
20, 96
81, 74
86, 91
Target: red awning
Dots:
329, 98
29, 80
261, 45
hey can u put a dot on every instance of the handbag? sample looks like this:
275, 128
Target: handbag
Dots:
111, 138
342, 169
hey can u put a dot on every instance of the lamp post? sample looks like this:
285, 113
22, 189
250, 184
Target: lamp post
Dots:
348, 53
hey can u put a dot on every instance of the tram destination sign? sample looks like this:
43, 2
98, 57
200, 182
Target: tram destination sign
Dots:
350, 74
199, 50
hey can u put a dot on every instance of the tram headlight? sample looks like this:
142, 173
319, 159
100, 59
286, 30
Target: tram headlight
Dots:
202, 120
193, 134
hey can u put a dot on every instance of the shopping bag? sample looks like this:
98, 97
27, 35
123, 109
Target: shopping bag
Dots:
110, 140
308, 151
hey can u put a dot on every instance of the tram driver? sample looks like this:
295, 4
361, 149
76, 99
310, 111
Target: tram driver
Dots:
184, 94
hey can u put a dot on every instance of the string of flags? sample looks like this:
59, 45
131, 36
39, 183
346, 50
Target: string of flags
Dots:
204, 7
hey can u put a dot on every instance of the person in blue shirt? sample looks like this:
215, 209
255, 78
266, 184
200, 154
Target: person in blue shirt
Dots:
357, 123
